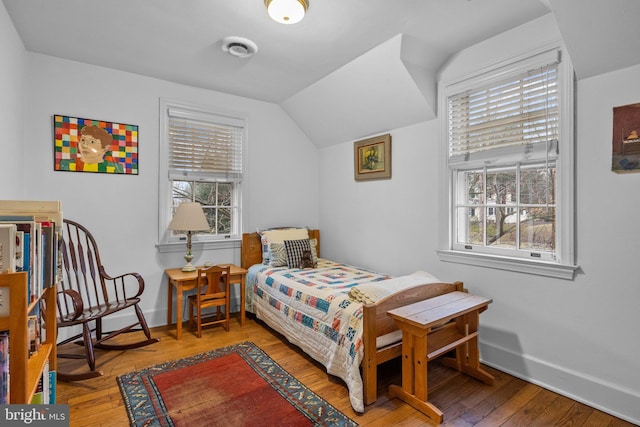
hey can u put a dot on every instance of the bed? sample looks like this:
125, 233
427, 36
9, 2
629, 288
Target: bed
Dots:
335, 313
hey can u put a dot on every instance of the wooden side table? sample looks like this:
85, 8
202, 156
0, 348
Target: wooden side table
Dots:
428, 332
184, 281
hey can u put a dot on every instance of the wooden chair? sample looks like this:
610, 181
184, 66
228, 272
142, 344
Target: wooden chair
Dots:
87, 294
212, 290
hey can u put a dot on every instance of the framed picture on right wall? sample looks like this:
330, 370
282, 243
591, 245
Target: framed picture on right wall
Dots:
372, 158
625, 155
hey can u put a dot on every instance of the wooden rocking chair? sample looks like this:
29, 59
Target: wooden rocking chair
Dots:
88, 294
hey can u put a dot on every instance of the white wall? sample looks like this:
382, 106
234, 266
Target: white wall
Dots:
386, 225
12, 71
576, 337
122, 211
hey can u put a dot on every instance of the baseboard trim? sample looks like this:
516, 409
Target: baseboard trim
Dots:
611, 398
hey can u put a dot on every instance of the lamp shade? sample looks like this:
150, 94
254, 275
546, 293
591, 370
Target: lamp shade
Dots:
189, 217
287, 11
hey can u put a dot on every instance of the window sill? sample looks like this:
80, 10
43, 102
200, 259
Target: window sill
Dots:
540, 268
199, 246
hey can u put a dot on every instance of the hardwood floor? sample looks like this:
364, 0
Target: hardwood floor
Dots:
464, 400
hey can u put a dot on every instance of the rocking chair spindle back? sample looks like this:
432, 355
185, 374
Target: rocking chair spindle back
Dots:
87, 294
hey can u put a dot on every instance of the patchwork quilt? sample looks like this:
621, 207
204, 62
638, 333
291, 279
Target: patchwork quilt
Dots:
312, 308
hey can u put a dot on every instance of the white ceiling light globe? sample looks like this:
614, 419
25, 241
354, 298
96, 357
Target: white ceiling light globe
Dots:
287, 11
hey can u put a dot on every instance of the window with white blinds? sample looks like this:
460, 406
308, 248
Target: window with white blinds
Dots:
509, 155
201, 160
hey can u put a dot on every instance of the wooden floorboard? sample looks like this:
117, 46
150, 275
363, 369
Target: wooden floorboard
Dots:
464, 401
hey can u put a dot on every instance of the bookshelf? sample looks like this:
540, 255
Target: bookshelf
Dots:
28, 297
25, 371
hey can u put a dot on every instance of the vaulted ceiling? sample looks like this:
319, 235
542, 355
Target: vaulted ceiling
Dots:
344, 55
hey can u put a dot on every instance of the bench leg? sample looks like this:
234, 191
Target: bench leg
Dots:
414, 377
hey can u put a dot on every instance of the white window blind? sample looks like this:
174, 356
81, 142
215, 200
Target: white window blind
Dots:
204, 147
509, 150
510, 119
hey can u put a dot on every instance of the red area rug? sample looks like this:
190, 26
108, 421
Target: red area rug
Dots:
233, 386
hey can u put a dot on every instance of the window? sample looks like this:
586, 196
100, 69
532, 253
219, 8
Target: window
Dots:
509, 136
201, 158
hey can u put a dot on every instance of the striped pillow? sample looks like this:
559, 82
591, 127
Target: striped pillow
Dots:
314, 249
278, 257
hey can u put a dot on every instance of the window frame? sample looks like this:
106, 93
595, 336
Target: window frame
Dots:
234, 207
174, 243
511, 207
563, 266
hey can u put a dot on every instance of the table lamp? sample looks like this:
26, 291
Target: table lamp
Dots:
189, 217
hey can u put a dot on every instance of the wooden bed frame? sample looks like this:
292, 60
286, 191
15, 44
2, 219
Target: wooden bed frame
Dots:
376, 323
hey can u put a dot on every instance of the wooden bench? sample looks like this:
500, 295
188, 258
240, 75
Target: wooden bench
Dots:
431, 328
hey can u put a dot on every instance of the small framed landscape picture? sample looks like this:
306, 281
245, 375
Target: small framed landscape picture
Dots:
88, 145
372, 158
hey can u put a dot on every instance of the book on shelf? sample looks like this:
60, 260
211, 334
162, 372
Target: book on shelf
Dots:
45, 382
41, 395
4, 367
8, 248
5, 301
33, 326
49, 250
46, 390
38, 396
19, 250
52, 386
28, 228
36, 276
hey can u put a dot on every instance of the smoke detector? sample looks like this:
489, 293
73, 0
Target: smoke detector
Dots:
239, 46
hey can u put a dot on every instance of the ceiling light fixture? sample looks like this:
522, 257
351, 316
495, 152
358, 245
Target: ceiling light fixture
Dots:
287, 11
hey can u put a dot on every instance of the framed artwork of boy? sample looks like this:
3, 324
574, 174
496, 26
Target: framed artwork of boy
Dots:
88, 145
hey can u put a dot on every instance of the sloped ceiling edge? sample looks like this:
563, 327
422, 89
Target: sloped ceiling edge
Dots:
600, 36
388, 87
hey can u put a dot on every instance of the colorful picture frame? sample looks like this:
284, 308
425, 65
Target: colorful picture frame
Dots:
625, 156
98, 146
372, 158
